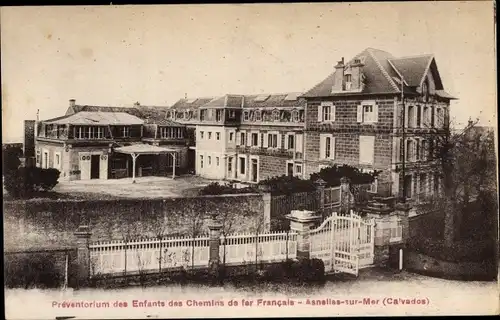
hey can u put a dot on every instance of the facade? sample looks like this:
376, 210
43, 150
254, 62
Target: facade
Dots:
82, 144
355, 116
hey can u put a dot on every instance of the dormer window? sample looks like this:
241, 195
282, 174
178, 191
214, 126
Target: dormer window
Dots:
276, 115
245, 116
258, 115
295, 116
232, 114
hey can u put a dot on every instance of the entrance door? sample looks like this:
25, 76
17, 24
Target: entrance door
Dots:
95, 166
289, 169
254, 170
191, 161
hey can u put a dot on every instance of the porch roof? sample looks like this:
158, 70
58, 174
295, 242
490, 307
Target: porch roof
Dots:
143, 149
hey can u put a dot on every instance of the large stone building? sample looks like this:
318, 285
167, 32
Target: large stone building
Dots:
355, 116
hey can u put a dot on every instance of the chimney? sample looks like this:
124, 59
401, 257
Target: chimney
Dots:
338, 77
357, 75
185, 96
137, 104
72, 103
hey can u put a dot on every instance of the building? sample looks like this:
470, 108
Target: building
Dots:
355, 116
94, 142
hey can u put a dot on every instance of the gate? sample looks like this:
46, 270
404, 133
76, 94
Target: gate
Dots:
344, 243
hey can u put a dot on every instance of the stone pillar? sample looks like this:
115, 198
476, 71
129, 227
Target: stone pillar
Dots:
301, 221
345, 196
402, 210
266, 197
83, 235
215, 228
320, 191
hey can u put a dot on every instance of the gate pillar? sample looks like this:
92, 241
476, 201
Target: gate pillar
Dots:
302, 221
83, 235
215, 228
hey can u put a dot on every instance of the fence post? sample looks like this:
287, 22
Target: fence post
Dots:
345, 196
83, 235
301, 221
320, 193
266, 197
215, 228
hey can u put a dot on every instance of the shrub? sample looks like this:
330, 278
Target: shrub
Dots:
31, 270
25, 181
287, 185
215, 188
332, 175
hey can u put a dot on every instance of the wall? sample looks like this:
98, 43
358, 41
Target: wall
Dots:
52, 223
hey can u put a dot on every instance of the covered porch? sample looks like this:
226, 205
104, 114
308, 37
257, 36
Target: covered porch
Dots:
137, 150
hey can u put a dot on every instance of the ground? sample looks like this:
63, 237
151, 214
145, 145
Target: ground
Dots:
144, 187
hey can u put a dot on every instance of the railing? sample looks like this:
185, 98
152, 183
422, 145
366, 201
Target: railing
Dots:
148, 255
255, 248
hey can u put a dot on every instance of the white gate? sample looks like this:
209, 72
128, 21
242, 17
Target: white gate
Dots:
344, 243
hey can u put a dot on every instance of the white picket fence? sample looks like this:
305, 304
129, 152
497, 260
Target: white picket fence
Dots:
252, 248
145, 255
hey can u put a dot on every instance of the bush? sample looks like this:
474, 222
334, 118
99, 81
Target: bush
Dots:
31, 270
215, 188
332, 175
26, 181
287, 185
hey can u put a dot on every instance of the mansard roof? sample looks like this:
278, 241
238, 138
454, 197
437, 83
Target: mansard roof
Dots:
97, 118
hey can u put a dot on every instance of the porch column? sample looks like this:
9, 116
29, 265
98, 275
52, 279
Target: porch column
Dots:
134, 157
173, 168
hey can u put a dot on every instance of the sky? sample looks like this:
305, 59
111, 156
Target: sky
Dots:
117, 55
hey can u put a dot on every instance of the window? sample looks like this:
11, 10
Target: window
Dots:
411, 117
409, 150
209, 160
367, 112
57, 161
272, 140
396, 231
125, 132
100, 132
255, 139
425, 91
243, 140
439, 118
417, 150
298, 169
242, 165
179, 133
327, 146
217, 161
201, 162
326, 112
419, 116
203, 114
427, 117
424, 150
258, 116
231, 136
209, 135
291, 142
366, 149
347, 81
295, 116
202, 135
230, 164
218, 115
217, 136
232, 114
407, 186
245, 116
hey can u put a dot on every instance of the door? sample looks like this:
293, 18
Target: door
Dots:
191, 161
84, 166
289, 169
254, 170
95, 162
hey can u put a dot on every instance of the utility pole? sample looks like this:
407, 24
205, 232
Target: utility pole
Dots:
403, 164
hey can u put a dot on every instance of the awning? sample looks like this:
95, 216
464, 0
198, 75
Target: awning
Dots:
143, 149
